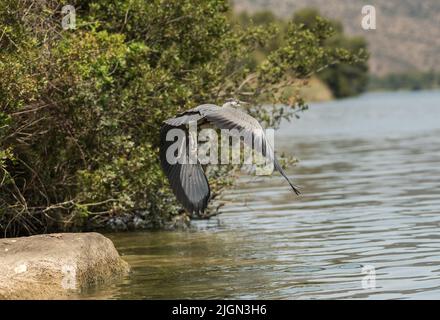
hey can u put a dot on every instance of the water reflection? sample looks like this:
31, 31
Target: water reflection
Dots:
370, 174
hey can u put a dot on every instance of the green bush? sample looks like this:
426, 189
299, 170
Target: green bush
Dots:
81, 109
343, 79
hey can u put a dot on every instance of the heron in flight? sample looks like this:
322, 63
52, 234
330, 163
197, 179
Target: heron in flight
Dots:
188, 180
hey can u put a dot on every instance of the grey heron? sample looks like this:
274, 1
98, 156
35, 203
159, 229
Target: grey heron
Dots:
188, 181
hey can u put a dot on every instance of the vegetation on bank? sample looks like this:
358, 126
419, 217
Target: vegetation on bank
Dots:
406, 81
80, 110
315, 90
343, 79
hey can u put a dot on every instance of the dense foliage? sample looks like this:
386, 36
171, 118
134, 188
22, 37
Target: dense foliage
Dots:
343, 79
80, 109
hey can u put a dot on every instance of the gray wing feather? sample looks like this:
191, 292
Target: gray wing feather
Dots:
185, 119
188, 181
194, 114
246, 126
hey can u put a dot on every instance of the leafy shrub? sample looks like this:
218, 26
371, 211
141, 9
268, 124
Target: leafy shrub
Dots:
81, 109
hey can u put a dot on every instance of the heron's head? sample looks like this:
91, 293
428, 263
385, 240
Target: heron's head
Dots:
231, 102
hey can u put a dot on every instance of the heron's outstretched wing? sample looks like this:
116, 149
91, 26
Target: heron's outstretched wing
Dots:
241, 124
188, 181
195, 114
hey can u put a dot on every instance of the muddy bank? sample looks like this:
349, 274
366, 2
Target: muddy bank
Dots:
56, 266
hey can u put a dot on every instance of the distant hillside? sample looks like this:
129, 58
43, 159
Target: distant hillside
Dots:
407, 36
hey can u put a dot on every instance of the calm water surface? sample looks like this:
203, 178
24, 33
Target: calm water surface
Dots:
370, 175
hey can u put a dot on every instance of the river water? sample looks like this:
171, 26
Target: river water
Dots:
370, 176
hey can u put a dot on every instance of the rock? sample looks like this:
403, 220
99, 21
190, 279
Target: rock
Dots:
56, 266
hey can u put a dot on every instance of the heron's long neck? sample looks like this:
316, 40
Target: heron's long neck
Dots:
228, 105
